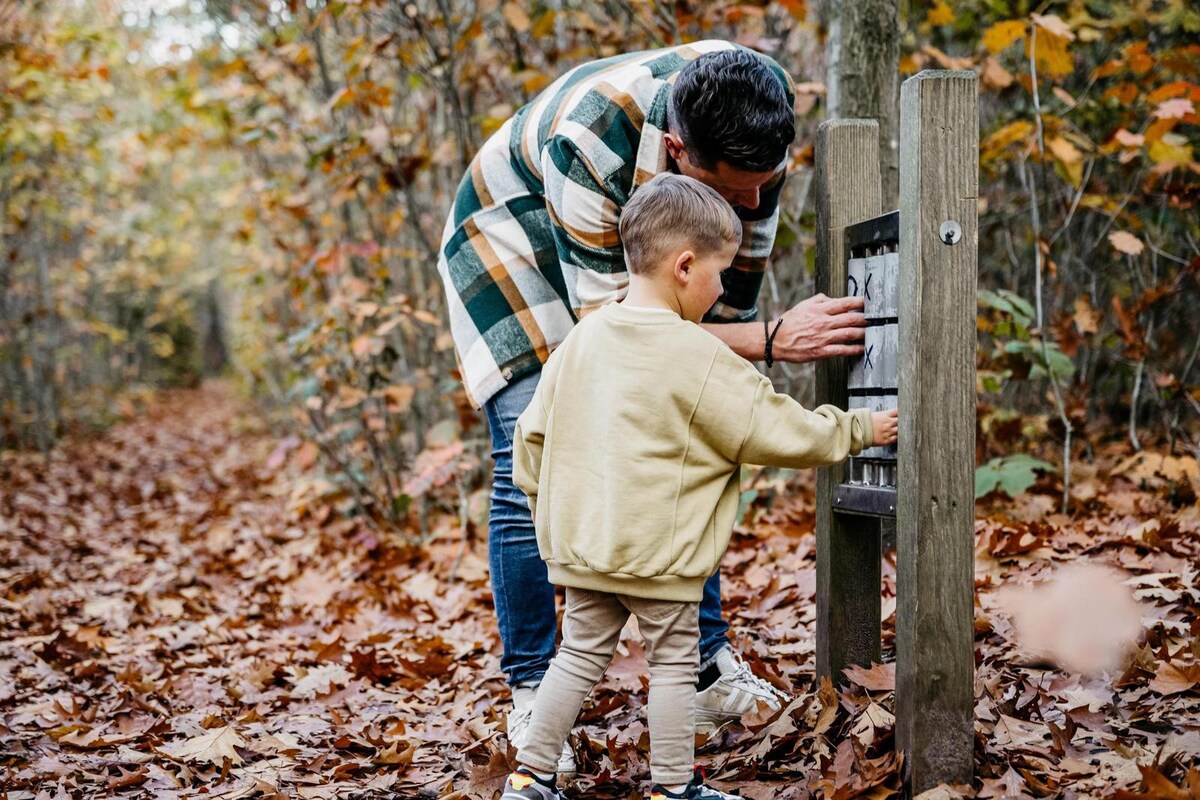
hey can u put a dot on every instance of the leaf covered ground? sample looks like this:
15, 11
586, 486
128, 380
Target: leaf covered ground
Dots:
179, 619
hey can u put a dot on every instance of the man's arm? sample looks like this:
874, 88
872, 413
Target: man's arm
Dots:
585, 222
819, 327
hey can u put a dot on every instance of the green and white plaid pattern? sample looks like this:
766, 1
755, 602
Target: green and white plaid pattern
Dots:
531, 244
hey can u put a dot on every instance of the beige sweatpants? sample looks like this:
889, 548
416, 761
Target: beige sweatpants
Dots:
591, 628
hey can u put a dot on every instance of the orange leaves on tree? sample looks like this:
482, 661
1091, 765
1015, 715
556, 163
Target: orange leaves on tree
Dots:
1048, 46
1170, 151
1018, 131
1003, 34
940, 14
1068, 155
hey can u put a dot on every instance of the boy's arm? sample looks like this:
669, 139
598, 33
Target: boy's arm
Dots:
528, 438
782, 433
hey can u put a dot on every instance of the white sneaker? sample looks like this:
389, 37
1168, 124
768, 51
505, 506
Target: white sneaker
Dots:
737, 691
518, 728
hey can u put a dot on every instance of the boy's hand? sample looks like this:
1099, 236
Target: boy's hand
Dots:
885, 425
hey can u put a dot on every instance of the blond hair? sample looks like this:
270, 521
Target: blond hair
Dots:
672, 209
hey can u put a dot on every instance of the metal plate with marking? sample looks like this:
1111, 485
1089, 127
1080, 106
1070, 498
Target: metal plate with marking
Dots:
878, 365
875, 279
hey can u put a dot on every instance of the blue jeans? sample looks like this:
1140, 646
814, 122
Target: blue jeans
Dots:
523, 595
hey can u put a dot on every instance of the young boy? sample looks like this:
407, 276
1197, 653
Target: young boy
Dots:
630, 453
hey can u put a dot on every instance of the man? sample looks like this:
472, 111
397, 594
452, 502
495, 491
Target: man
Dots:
532, 245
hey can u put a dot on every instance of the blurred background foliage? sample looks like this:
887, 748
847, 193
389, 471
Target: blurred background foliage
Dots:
259, 186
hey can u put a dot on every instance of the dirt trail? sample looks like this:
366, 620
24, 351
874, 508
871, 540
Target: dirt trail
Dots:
171, 623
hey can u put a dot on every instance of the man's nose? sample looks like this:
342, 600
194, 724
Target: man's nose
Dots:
747, 199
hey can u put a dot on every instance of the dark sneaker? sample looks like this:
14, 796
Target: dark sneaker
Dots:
696, 790
524, 785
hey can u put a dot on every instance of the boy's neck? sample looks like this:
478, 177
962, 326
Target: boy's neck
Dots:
645, 293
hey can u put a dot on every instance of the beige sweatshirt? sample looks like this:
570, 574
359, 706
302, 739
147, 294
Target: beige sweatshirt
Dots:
630, 451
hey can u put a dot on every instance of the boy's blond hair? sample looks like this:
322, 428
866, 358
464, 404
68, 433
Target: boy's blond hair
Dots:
670, 210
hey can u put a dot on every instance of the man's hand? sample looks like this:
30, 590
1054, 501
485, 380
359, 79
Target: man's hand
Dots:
820, 327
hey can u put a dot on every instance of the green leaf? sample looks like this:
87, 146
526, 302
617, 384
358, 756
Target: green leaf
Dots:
1022, 309
1055, 363
1011, 474
747, 497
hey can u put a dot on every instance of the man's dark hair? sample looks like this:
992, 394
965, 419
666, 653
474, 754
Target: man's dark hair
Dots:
730, 106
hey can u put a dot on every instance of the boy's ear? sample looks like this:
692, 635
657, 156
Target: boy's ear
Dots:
684, 264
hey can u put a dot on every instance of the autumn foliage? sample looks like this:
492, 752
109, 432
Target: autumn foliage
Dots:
275, 586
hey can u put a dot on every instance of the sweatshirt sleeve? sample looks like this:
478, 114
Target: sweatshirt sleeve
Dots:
780, 432
530, 434
528, 439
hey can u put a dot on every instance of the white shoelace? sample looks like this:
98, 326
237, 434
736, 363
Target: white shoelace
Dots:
743, 678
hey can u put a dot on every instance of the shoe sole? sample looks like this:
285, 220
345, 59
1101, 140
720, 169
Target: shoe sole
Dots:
710, 723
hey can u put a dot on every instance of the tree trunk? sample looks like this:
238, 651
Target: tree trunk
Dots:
862, 76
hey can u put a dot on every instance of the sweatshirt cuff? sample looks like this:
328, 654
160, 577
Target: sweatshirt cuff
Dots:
868, 430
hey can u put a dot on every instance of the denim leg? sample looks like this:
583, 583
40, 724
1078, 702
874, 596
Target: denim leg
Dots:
523, 595
713, 627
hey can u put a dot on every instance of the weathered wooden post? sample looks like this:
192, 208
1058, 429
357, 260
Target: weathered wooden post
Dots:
915, 268
848, 550
935, 512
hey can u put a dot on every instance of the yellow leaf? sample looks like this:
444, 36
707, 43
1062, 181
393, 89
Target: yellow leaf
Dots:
940, 14
1003, 34
1052, 57
1126, 242
1069, 156
995, 75
1063, 150
545, 24
1012, 132
1171, 150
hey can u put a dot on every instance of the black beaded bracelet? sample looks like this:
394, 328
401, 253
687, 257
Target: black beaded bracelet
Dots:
770, 340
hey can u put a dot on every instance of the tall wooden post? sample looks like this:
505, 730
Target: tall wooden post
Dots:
939, 155
848, 551
862, 75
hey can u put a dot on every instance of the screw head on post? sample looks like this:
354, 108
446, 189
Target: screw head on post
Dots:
950, 232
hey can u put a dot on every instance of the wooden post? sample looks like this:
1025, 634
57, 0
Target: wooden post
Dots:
848, 555
935, 514
862, 75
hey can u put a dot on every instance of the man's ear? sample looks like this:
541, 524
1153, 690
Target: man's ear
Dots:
674, 145
685, 263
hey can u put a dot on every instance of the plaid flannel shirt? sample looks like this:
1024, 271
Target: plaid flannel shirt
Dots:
531, 244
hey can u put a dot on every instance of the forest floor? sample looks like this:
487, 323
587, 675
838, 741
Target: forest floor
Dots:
176, 620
